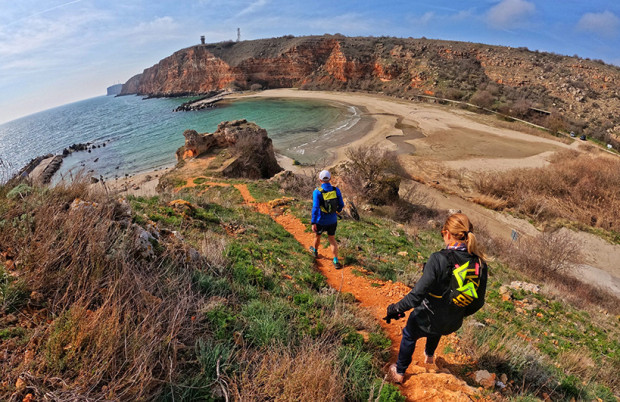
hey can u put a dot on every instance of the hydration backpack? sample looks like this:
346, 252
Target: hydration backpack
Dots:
464, 282
329, 204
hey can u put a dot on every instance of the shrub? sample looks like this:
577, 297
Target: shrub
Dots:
372, 175
483, 99
21, 190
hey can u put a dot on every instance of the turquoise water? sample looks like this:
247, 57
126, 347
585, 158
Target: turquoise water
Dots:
135, 135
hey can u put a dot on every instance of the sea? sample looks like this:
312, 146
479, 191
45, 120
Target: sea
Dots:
132, 135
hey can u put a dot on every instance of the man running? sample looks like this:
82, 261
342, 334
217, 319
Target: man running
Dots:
326, 203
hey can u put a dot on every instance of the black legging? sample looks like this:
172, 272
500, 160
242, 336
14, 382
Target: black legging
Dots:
411, 333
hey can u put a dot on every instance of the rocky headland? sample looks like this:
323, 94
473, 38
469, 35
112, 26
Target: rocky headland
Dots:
560, 92
237, 149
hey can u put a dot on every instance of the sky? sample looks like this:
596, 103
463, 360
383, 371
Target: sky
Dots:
54, 52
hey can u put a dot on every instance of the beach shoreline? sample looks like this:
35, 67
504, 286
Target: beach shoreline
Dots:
386, 123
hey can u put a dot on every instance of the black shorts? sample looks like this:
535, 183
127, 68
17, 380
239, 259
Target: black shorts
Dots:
330, 229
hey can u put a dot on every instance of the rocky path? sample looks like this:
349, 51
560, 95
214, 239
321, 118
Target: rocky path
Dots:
422, 382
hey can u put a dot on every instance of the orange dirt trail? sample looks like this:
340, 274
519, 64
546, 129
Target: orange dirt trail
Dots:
422, 382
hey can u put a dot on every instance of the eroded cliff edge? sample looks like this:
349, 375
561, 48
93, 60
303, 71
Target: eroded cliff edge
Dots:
580, 94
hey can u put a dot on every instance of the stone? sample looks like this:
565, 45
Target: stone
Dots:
280, 202
528, 287
484, 378
20, 384
144, 242
79, 204
350, 210
36, 297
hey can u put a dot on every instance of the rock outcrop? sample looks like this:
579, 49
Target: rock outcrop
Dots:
114, 89
585, 93
249, 153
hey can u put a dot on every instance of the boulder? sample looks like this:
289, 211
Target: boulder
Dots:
350, 210
484, 378
251, 150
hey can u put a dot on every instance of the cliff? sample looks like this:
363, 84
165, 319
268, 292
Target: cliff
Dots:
114, 89
576, 94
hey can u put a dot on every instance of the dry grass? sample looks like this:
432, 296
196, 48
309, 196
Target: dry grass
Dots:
115, 320
545, 259
309, 373
490, 202
579, 187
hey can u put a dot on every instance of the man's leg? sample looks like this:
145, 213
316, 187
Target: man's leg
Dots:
333, 245
317, 241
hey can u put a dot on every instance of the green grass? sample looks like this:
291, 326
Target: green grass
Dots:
12, 292
15, 332
264, 191
549, 343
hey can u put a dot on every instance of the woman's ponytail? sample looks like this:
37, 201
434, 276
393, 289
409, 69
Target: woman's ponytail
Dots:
462, 229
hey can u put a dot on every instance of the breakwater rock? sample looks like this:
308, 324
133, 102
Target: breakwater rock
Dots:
41, 169
206, 102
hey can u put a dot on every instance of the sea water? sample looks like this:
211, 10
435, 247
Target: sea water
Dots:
132, 135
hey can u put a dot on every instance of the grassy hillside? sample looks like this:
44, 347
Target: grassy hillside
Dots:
206, 298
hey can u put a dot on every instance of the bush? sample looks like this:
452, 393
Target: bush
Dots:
372, 175
547, 254
483, 99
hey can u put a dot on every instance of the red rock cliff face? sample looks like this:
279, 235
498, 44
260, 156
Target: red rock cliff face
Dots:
192, 70
587, 93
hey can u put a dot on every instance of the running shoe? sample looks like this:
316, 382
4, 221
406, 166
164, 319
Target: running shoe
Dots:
314, 252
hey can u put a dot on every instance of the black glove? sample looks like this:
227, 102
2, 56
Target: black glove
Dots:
393, 314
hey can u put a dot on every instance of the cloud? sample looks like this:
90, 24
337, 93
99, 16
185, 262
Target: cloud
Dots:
161, 28
423, 20
510, 14
253, 7
348, 24
605, 24
46, 35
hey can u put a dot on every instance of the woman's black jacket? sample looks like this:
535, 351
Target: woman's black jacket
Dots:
433, 312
